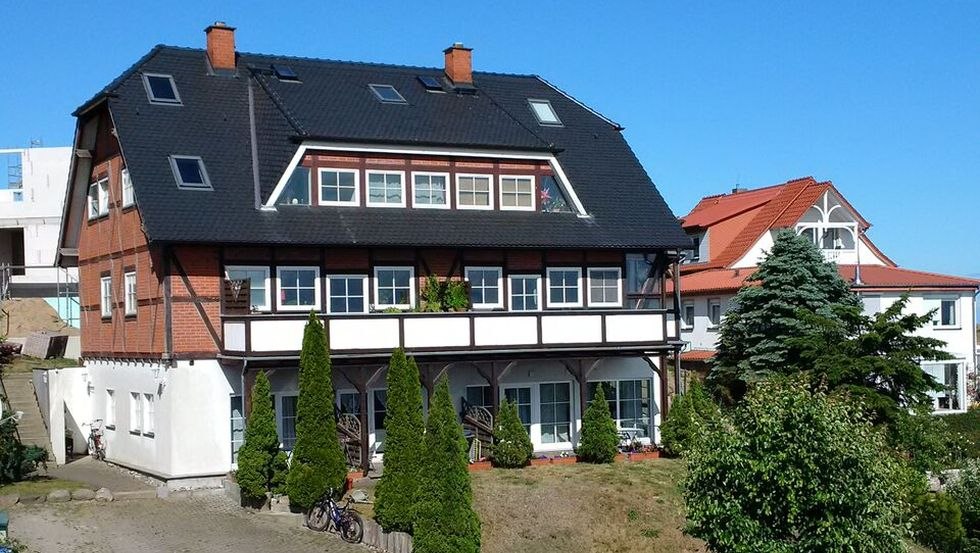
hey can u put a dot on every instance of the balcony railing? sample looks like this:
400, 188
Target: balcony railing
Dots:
376, 334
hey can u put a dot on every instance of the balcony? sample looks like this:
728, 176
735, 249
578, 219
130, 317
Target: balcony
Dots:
617, 331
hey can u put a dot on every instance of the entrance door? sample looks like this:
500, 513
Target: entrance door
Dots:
522, 397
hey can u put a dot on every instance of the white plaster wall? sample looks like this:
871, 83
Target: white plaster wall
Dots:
702, 335
69, 409
756, 252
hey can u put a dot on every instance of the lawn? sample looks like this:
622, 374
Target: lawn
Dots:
623, 508
23, 363
40, 485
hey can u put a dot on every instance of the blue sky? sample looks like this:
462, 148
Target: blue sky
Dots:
881, 98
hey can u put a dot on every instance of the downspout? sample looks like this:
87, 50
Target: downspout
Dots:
675, 273
168, 319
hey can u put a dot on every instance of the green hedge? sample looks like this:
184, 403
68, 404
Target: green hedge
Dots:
967, 424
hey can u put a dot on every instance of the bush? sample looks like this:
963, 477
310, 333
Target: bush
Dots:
395, 495
926, 441
687, 418
968, 425
444, 518
512, 446
938, 523
790, 469
965, 490
432, 294
457, 296
261, 465
318, 463
600, 439
17, 460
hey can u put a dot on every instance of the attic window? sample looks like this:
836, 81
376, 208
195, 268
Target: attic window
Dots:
545, 113
190, 173
160, 89
285, 73
387, 94
431, 83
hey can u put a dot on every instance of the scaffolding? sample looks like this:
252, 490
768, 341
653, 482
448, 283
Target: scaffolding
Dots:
66, 291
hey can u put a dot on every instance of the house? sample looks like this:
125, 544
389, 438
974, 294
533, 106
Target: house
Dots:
732, 232
217, 197
32, 191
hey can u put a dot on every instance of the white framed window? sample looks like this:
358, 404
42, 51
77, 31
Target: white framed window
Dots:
189, 172
947, 315
237, 420
556, 412
135, 412
286, 415
387, 94
386, 188
349, 402
161, 89
105, 291
521, 395
486, 287
98, 199
128, 197
687, 314
480, 396
394, 287
149, 415
339, 187
430, 190
564, 287
949, 375
347, 293
525, 292
517, 193
129, 292
110, 409
258, 283
474, 191
714, 312
299, 288
544, 112
630, 403
605, 287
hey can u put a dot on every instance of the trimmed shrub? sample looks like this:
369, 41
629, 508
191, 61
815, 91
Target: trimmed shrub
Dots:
790, 469
938, 523
261, 465
687, 418
512, 446
965, 490
16, 459
432, 294
600, 439
445, 521
926, 441
318, 463
395, 495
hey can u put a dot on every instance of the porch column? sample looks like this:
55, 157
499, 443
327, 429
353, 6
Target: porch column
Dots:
581, 369
662, 373
248, 380
676, 275
493, 372
361, 377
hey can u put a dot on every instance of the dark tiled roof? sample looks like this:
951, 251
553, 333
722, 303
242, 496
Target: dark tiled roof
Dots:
333, 102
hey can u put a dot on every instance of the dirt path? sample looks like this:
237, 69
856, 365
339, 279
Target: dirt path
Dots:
178, 524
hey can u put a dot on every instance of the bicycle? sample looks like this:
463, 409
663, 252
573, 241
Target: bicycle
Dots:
326, 514
96, 440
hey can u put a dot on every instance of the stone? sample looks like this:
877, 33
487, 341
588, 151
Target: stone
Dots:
31, 499
279, 504
59, 496
8, 501
104, 494
82, 494
163, 492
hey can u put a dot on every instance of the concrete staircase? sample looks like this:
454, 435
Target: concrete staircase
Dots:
21, 397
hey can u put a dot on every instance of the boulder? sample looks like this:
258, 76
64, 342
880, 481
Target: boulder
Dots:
8, 501
59, 496
104, 494
82, 494
280, 504
31, 499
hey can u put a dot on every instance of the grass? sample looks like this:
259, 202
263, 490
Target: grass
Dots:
622, 508
967, 424
40, 485
23, 363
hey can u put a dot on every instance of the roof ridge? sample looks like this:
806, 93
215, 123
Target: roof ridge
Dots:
760, 189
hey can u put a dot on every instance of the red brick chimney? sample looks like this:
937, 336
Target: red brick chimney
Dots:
459, 64
221, 46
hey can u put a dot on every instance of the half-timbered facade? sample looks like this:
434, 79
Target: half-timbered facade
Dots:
218, 197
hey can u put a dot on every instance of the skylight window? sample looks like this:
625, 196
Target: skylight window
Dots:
431, 83
190, 173
387, 94
284, 73
545, 113
160, 89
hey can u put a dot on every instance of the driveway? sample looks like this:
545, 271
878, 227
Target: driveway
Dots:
205, 522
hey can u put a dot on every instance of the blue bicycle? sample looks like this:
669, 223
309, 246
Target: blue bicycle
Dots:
327, 513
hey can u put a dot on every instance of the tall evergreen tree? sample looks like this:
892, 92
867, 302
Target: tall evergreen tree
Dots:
318, 463
756, 335
445, 521
404, 426
512, 446
599, 435
261, 464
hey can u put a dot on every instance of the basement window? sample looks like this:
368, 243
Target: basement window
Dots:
545, 113
190, 173
161, 89
387, 94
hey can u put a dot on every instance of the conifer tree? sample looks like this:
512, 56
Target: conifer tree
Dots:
261, 465
404, 427
599, 435
756, 339
512, 446
689, 414
445, 521
318, 463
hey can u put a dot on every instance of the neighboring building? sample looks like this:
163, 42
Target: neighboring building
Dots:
32, 196
218, 197
732, 232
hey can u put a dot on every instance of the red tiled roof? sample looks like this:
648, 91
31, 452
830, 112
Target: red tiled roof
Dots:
712, 209
697, 355
712, 280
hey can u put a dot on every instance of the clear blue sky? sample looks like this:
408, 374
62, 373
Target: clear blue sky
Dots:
882, 98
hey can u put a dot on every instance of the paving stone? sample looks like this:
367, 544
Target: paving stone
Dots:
82, 494
31, 499
59, 496
104, 494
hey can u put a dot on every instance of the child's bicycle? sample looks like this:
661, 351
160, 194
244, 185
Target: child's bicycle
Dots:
96, 440
327, 513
